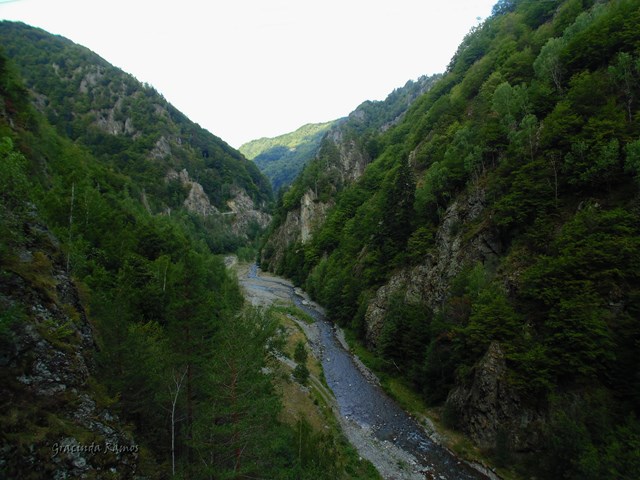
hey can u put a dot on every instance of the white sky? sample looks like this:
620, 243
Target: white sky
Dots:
245, 69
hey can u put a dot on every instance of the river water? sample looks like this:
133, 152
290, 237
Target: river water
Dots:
380, 430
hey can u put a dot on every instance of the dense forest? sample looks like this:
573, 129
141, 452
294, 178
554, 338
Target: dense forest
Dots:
133, 129
125, 345
499, 221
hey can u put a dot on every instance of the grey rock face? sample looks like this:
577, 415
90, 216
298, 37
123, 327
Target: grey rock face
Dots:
487, 406
352, 160
298, 227
429, 282
197, 200
47, 359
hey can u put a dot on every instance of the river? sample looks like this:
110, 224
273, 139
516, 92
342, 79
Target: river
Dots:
379, 429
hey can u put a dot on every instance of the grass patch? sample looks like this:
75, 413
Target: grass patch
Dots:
295, 311
312, 404
38, 273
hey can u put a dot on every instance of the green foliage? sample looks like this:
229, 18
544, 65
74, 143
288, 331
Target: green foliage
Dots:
404, 338
492, 319
300, 353
127, 125
594, 261
282, 158
233, 432
301, 373
178, 359
537, 121
632, 160
14, 195
584, 443
14, 188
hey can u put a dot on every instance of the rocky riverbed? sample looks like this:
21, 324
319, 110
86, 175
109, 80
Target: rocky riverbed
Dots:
397, 445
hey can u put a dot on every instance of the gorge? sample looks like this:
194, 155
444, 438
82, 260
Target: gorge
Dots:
475, 236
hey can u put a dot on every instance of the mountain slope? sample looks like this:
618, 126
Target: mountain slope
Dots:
281, 158
344, 153
125, 348
488, 253
129, 126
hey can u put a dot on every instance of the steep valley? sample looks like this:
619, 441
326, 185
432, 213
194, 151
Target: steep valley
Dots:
446, 286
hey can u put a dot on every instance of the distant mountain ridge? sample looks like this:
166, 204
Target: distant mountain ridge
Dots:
281, 158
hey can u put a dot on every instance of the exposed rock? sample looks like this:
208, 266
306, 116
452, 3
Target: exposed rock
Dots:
312, 214
47, 360
91, 79
301, 222
106, 120
486, 406
429, 282
39, 101
352, 160
242, 209
245, 212
286, 234
298, 227
161, 150
197, 200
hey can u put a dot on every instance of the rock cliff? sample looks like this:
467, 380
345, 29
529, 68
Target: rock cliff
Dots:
340, 161
486, 407
428, 282
197, 200
297, 227
242, 213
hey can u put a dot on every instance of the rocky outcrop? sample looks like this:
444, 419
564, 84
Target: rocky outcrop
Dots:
486, 407
312, 214
52, 422
244, 213
352, 158
90, 79
107, 121
298, 227
197, 200
428, 282
161, 149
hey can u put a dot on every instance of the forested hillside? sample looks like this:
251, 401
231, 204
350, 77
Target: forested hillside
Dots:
125, 347
281, 158
489, 253
343, 153
131, 128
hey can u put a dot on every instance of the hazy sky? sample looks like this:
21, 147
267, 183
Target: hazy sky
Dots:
245, 69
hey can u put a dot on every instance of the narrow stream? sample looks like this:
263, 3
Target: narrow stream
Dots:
364, 403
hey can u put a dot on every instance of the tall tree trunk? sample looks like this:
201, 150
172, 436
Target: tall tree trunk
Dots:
178, 384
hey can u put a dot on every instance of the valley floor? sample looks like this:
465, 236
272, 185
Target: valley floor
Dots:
381, 432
